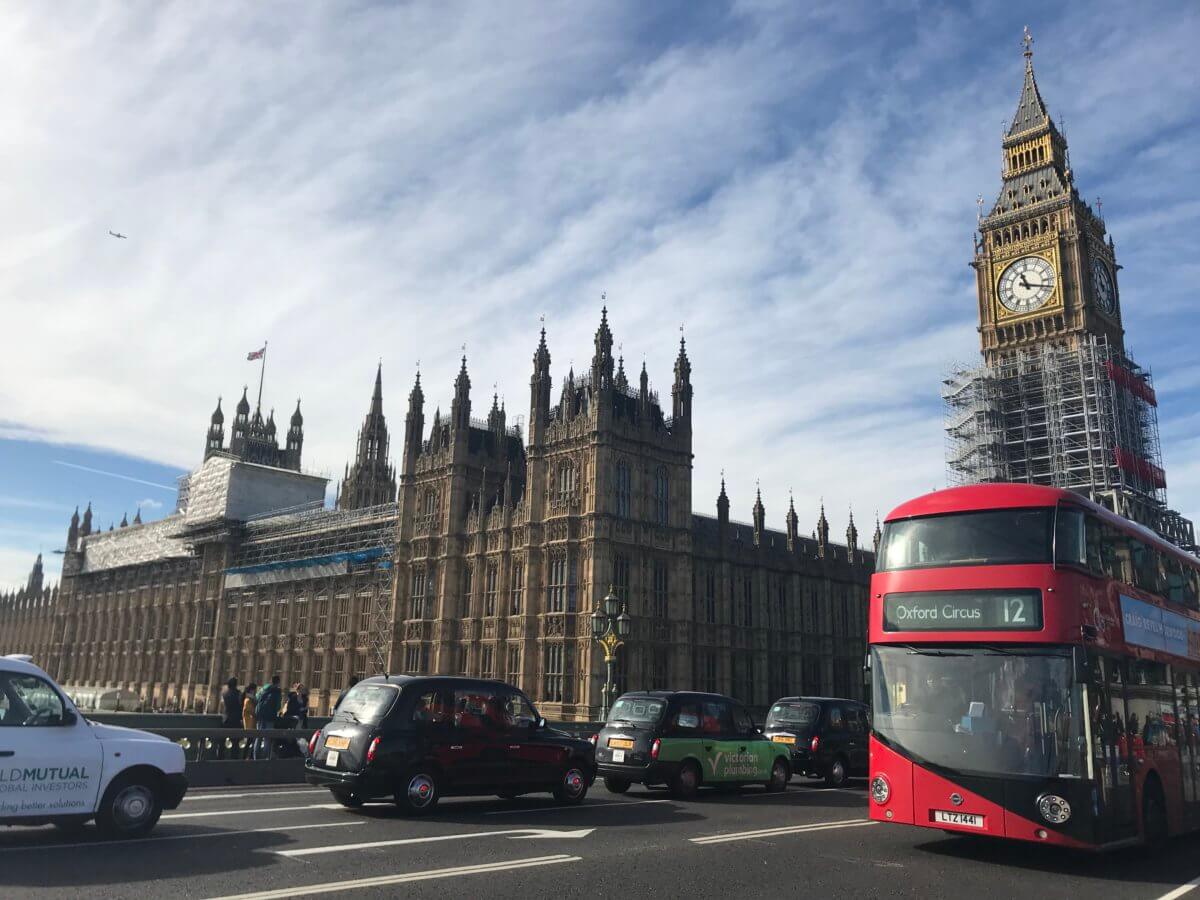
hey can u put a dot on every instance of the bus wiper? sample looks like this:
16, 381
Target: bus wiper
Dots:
914, 651
1002, 651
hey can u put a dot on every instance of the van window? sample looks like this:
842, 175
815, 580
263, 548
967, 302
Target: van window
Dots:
26, 700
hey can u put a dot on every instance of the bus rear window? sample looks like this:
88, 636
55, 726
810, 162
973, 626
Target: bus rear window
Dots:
986, 538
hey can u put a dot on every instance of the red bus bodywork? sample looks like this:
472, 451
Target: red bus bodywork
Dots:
1079, 609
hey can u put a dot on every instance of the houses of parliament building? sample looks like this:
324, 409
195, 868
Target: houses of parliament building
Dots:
484, 555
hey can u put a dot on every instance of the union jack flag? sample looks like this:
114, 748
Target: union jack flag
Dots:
257, 354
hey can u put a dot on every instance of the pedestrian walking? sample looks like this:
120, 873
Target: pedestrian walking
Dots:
248, 701
294, 712
231, 711
266, 714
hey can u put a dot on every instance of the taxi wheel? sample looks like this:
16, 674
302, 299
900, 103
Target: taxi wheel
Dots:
780, 776
685, 784
130, 807
616, 785
419, 794
836, 776
347, 799
572, 787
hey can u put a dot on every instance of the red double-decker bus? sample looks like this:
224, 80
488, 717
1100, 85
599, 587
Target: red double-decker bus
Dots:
1035, 668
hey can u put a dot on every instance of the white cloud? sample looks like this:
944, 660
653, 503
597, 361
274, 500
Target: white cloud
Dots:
795, 187
149, 503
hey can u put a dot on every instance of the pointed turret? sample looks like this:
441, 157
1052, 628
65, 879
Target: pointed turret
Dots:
877, 538
621, 381
760, 516
793, 522
86, 528
215, 440
73, 531
822, 532
539, 393
137, 516
852, 533
34, 585
370, 481
124, 520
681, 391
460, 408
722, 513
602, 361
414, 426
644, 389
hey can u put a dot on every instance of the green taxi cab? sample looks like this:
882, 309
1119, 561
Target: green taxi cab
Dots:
685, 740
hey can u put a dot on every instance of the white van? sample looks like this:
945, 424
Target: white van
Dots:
57, 767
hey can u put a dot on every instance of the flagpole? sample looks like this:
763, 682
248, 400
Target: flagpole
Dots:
261, 374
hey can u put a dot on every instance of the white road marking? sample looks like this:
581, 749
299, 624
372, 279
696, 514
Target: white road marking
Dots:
1181, 890
517, 833
773, 832
249, 812
181, 837
220, 796
582, 806
334, 887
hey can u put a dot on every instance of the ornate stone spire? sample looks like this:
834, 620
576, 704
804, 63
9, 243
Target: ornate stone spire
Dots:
877, 538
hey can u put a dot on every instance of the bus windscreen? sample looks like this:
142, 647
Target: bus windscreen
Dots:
988, 538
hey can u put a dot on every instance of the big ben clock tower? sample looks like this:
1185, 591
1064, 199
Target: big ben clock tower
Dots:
1045, 273
1058, 400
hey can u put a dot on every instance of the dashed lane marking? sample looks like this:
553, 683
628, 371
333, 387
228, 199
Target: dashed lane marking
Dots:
226, 796
518, 834
776, 832
1181, 890
181, 837
334, 887
250, 812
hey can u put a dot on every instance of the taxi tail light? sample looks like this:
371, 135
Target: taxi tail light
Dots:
815, 745
372, 749
594, 739
312, 742
654, 748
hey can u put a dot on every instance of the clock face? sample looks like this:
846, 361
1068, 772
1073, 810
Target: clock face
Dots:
1106, 294
1026, 284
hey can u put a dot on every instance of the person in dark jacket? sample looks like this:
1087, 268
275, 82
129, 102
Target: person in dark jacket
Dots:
231, 710
266, 714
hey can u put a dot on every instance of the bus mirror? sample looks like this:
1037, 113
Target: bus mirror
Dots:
867, 662
1081, 665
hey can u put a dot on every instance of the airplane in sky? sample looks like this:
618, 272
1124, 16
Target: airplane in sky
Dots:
121, 236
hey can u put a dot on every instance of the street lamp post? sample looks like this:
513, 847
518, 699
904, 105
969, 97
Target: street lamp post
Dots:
610, 626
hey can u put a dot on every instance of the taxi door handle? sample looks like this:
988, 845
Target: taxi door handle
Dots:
514, 746
741, 749
8, 752
456, 746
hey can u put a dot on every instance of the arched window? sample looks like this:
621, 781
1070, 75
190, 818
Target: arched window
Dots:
623, 489
662, 496
566, 482
429, 503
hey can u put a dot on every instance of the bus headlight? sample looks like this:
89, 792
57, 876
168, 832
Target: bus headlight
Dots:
880, 790
1054, 809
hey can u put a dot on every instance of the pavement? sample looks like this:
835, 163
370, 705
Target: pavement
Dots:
810, 841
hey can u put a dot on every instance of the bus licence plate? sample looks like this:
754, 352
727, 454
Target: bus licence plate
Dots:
970, 820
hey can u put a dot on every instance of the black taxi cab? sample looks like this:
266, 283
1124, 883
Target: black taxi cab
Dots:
685, 740
416, 739
826, 736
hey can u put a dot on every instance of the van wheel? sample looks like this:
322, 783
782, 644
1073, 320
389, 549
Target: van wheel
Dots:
347, 798
781, 774
686, 782
836, 776
420, 793
1154, 816
130, 807
572, 787
616, 785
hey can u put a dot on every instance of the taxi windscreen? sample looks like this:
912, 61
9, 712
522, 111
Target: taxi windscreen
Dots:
366, 702
637, 710
793, 715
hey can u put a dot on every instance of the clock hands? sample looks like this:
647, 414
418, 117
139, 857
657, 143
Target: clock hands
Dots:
1025, 284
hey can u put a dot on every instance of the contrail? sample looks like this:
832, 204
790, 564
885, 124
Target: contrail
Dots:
153, 484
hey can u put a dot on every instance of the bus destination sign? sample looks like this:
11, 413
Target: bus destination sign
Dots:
981, 610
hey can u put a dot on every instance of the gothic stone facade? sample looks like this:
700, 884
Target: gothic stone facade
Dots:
489, 563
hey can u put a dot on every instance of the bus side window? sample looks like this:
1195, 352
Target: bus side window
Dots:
1191, 588
1069, 546
1115, 554
1095, 545
1145, 567
1174, 577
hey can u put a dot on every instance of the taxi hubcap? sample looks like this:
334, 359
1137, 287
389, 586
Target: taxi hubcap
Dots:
420, 790
133, 804
574, 781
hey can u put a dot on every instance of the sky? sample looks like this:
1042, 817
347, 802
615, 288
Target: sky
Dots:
792, 184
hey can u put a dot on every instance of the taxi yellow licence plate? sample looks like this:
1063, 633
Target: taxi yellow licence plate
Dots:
335, 742
783, 739
620, 743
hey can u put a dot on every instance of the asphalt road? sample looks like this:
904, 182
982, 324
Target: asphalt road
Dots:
810, 841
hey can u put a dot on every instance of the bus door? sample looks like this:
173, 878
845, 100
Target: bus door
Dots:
1111, 758
1187, 705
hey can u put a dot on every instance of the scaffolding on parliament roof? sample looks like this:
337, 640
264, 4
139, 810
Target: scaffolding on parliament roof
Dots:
1082, 417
